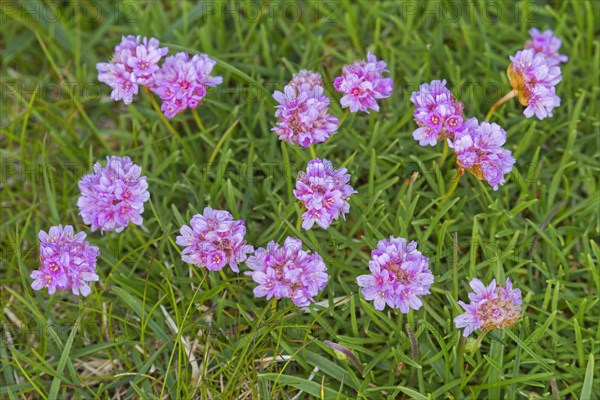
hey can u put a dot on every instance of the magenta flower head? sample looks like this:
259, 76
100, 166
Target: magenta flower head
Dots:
67, 260
399, 276
438, 114
182, 82
547, 44
287, 271
362, 84
113, 196
491, 307
134, 64
303, 111
324, 191
534, 82
214, 240
479, 149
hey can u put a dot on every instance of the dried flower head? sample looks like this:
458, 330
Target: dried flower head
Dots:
491, 307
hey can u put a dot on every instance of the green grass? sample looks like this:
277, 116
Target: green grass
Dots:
155, 327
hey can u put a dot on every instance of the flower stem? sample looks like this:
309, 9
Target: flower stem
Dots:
198, 120
313, 154
497, 104
455, 181
346, 113
161, 115
444, 153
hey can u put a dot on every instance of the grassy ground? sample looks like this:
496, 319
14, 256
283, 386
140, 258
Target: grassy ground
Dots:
155, 327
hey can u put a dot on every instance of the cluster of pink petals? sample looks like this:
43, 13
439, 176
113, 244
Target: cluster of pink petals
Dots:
214, 240
113, 196
534, 80
491, 307
68, 261
287, 272
182, 82
134, 64
547, 44
399, 276
479, 149
303, 111
324, 191
362, 84
438, 114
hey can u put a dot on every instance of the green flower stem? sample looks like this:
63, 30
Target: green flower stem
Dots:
497, 104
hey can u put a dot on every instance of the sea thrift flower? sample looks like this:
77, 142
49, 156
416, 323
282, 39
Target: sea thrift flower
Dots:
182, 82
399, 276
134, 64
533, 80
491, 307
438, 114
324, 191
214, 240
479, 149
362, 83
303, 111
305, 77
547, 44
113, 196
67, 260
287, 271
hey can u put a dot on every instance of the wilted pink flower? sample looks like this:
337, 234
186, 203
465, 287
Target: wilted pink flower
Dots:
479, 149
214, 240
438, 114
134, 63
287, 271
399, 276
324, 191
67, 261
113, 196
182, 82
303, 111
492, 307
362, 84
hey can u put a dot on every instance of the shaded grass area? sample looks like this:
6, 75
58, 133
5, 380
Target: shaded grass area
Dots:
154, 327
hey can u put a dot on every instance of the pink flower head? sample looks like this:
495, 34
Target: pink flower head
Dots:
534, 79
305, 77
547, 44
113, 196
438, 114
182, 82
67, 260
287, 271
362, 84
479, 149
491, 307
399, 276
214, 240
324, 191
134, 64
303, 111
